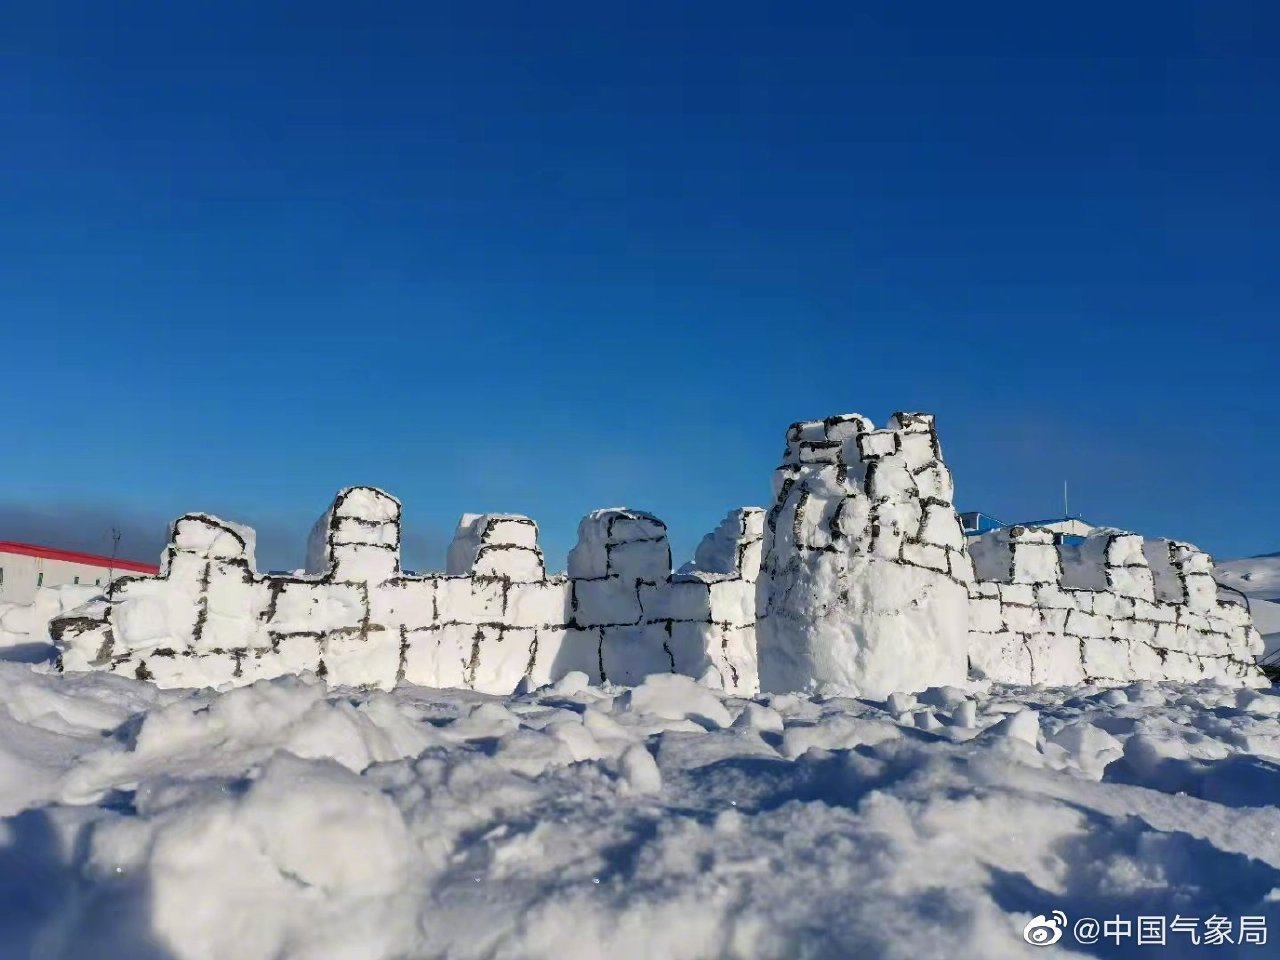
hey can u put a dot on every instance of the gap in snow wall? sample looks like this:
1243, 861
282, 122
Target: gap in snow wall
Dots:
861, 573
491, 620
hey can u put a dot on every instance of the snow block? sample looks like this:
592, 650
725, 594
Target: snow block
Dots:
408, 602
567, 650
684, 597
496, 544
621, 542
501, 656
358, 538
362, 659
204, 535
470, 599
631, 653
734, 547
542, 604
606, 601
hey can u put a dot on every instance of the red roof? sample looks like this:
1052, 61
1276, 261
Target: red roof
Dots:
72, 556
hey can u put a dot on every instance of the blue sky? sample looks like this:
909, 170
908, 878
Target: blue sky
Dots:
548, 257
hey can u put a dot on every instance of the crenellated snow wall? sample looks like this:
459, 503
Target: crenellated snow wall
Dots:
1113, 608
859, 579
491, 620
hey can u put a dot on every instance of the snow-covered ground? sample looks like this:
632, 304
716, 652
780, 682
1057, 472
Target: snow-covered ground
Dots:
281, 820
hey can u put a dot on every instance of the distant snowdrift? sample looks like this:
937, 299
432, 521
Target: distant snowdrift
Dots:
281, 820
1253, 576
1258, 578
1266, 617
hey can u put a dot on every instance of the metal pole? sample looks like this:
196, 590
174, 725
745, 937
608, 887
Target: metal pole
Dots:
111, 570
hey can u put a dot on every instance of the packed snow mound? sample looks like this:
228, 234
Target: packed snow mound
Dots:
284, 820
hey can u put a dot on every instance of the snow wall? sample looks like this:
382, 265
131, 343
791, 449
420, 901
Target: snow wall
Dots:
859, 579
1115, 607
491, 620
870, 584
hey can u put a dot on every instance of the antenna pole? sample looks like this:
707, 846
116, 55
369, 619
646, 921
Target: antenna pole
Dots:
111, 570
1066, 505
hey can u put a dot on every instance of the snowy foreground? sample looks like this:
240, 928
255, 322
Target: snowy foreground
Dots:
283, 821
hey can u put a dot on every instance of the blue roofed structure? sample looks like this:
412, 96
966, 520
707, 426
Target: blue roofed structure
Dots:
975, 524
1068, 529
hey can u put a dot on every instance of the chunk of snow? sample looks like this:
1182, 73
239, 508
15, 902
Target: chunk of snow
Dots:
676, 698
1023, 725
640, 770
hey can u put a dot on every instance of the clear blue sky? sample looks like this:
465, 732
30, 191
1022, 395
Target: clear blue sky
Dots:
548, 257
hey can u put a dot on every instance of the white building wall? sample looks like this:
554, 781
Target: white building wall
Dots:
1069, 526
22, 575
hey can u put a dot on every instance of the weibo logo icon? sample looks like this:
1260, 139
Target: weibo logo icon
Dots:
1045, 931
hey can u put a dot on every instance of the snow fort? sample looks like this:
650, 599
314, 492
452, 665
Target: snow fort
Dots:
859, 579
